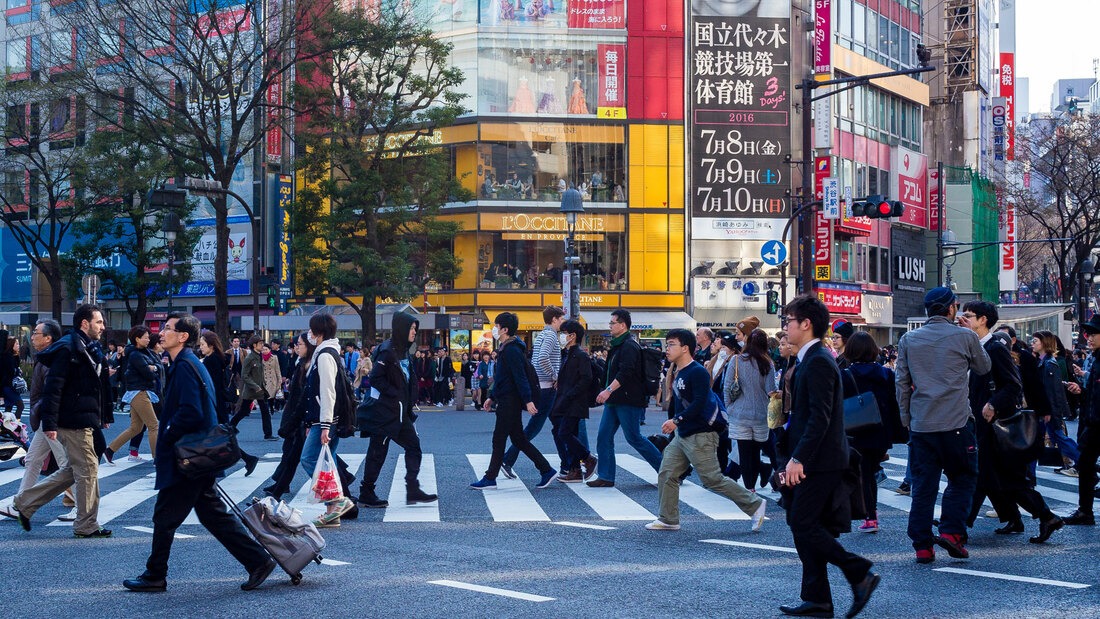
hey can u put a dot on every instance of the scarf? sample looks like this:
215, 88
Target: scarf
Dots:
618, 341
266, 356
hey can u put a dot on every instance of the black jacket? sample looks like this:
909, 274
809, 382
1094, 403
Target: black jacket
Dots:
624, 364
1001, 387
816, 433
77, 392
879, 381
294, 413
1034, 393
396, 392
138, 375
1051, 375
574, 379
1090, 412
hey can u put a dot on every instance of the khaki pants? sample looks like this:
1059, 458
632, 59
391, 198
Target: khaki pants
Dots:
700, 450
82, 469
141, 414
40, 448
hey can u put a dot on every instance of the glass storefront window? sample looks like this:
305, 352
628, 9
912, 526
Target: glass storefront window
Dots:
534, 260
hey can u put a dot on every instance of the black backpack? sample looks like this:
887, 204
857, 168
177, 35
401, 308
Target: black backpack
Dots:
599, 375
344, 418
652, 359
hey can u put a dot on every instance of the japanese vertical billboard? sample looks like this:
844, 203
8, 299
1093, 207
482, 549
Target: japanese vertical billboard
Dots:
1008, 91
823, 39
611, 91
910, 176
1007, 226
739, 119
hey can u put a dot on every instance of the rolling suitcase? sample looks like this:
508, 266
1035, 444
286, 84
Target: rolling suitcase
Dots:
292, 541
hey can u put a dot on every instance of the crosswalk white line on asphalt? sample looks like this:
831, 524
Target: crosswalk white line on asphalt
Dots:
114, 504
714, 506
610, 503
510, 501
423, 512
239, 487
104, 472
583, 525
519, 595
150, 530
726, 542
1027, 579
301, 498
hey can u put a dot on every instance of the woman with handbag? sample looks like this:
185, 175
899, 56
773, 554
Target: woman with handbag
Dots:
863, 374
143, 379
749, 381
1056, 383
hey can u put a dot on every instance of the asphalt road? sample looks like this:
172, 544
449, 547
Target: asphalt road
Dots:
564, 551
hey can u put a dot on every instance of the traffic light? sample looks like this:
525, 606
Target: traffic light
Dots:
877, 207
773, 301
272, 297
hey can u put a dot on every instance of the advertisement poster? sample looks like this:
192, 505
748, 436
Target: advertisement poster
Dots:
611, 91
823, 39
910, 186
602, 14
739, 119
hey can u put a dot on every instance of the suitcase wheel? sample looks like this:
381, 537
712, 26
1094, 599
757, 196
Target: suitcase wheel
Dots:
318, 559
296, 579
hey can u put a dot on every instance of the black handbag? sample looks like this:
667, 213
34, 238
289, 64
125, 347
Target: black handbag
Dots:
860, 410
203, 454
1017, 434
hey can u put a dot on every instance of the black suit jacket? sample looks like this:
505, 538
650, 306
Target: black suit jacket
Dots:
816, 433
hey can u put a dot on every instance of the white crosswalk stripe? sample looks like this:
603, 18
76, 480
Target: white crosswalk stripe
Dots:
511, 501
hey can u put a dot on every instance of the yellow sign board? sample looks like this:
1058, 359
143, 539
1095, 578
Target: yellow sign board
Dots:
611, 112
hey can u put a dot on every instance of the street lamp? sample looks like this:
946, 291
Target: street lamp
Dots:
572, 204
950, 249
171, 227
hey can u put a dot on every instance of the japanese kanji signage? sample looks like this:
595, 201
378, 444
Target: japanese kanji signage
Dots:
739, 104
611, 60
823, 39
1008, 91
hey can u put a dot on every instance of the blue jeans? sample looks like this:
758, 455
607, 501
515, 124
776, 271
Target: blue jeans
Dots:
630, 418
953, 453
1056, 431
311, 447
535, 423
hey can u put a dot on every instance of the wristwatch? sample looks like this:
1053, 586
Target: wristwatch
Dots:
795, 461
676, 420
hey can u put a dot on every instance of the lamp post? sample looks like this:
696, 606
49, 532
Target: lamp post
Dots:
171, 227
572, 204
1086, 273
949, 249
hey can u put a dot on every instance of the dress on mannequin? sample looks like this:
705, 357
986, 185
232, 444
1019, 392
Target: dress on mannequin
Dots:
577, 104
549, 103
524, 101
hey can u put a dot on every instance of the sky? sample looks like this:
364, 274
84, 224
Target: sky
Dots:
1055, 39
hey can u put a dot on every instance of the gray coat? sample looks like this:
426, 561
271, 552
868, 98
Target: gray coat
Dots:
748, 414
38, 379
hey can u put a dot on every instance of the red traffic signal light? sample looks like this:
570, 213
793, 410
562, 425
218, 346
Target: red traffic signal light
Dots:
877, 207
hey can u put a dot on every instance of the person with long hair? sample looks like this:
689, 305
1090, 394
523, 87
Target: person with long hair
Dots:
254, 389
862, 374
1055, 381
9, 369
214, 359
144, 380
292, 426
748, 411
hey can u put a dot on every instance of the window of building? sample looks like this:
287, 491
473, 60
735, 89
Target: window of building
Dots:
12, 187
541, 166
60, 114
15, 56
61, 48
844, 261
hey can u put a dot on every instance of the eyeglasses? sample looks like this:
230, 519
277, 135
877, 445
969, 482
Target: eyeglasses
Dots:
614, 322
166, 329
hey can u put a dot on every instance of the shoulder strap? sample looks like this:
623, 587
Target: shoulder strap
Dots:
850, 375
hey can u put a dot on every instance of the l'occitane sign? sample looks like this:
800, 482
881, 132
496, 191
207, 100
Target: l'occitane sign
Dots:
524, 222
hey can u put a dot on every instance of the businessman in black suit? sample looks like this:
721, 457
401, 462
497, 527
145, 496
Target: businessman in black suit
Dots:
818, 451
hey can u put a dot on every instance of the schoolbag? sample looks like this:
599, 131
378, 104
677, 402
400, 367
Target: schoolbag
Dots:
343, 413
599, 375
652, 361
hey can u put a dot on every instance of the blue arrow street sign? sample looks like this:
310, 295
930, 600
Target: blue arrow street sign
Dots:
773, 253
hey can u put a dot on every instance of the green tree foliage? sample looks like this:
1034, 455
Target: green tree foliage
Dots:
366, 226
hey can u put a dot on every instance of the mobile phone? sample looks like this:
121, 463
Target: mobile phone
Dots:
782, 478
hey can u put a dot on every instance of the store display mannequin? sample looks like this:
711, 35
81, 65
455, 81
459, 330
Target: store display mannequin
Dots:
577, 104
524, 101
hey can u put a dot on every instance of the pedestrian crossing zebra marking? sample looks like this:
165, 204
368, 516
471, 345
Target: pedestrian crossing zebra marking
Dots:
610, 503
726, 542
510, 501
239, 487
120, 501
508, 593
423, 512
714, 506
150, 531
104, 473
1027, 579
582, 525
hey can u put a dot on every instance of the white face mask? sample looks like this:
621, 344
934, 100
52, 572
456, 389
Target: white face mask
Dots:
496, 333
563, 339
312, 340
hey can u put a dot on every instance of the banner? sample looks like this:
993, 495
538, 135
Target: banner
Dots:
1008, 91
910, 180
823, 231
823, 39
1007, 226
934, 199
841, 298
611, 91
739, 119
596, 13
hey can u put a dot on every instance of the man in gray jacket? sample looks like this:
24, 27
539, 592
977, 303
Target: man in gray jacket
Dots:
45, 333
933, 394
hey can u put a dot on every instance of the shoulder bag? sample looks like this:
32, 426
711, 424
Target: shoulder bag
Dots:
207, 452
861, 410
734, 390
1019, 433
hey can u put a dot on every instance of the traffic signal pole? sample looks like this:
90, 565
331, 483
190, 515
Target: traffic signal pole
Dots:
804, 215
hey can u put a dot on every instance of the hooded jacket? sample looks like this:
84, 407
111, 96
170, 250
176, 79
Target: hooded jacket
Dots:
392, 381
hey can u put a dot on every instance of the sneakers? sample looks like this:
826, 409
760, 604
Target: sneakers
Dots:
589, 467
11, 511
340, 506
134, 458
991, 514
484, 483
601, 483
658, 525
547, 478
571, 477
903, 489
953, 544
69, 516
100, 532
758, 516
1077, 517
869, 526
507, 470
1069, 472
323, 523
926, 555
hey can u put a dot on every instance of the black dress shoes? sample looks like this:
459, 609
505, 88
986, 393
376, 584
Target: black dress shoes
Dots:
257, 576
1046, 528
145, 585
250, 463
1012, 526
1078, 517
861, 593
808, 609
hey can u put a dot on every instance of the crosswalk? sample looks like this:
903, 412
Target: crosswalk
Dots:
127, 493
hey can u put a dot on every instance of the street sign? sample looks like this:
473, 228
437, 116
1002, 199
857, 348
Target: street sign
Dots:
847, 200
750, 289
830, 198
90, 285
773, 253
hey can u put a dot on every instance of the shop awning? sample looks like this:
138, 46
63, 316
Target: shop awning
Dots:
529, 320
640, 320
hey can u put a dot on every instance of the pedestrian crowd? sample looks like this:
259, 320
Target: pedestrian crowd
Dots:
821, 401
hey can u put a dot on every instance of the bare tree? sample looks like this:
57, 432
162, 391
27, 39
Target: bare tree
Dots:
203, 81
1059, 193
